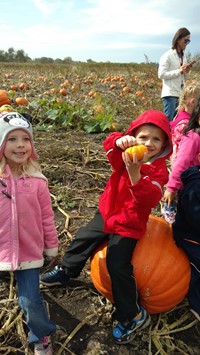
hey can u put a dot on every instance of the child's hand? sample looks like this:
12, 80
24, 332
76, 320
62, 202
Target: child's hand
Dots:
49, 261
125, 142
133, 166
169, 197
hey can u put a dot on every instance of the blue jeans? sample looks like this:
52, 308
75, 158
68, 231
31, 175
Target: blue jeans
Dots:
170, 104
32, 303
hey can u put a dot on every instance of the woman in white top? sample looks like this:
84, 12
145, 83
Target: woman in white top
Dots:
173, 69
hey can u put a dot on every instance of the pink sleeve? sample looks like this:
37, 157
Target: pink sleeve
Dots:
176, 139
189, 147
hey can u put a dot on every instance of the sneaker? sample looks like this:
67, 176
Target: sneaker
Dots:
169, 213
55, 277
43, 347
125, 333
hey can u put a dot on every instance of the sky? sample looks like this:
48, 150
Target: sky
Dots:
121, 31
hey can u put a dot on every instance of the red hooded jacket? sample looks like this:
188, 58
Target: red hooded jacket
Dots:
125, 208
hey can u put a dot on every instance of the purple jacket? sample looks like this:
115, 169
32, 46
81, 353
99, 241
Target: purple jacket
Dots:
186, 157
27, 227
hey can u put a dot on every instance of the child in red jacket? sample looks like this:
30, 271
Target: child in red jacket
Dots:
134, 188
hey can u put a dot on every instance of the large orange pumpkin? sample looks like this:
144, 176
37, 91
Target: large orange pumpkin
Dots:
4, 99
161, 269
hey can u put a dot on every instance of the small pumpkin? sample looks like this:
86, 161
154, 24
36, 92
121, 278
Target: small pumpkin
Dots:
139, 150
4, 99
161, 269
63, 92
21, 101
6, 108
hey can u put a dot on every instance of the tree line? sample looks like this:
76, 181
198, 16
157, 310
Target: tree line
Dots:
19, 56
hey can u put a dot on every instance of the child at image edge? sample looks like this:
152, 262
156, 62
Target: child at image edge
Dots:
26, 224
187, 154
186, 230
133, 189
185, 109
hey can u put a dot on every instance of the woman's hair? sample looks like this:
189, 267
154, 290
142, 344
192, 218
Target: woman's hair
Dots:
189, 91
182, 32
30, 168
193, 123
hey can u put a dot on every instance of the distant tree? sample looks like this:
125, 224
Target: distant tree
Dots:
90, 61
21, 56
2, 56
10, 55
44, 60
67, 60
58, 60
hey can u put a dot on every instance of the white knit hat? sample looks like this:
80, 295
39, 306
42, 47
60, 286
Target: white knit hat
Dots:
10, 121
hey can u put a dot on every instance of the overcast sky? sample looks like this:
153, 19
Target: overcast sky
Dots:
102, 30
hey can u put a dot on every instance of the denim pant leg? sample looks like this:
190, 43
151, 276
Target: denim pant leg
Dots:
170, 104
32, 303
124, 289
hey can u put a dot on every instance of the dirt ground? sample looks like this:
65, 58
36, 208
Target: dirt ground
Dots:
77, 169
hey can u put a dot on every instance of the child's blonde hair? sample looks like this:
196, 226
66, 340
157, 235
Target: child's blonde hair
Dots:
190, 90
30, 168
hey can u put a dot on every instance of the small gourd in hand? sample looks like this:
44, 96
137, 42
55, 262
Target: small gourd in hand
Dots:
139, 150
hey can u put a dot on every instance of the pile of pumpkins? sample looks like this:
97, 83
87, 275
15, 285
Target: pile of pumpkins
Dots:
5, 102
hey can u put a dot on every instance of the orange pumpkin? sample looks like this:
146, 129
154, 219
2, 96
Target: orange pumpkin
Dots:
4, 99
21, 101
139, 150
161, 269
63, 92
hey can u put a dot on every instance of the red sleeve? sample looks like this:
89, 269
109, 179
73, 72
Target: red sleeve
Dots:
113, 153
150, 187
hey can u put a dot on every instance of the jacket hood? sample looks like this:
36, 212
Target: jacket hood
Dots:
191, 174
183, 115
159, 119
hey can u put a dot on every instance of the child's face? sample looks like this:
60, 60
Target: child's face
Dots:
152, 137
18, 147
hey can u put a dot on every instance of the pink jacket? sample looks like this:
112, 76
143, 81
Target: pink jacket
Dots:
125, 208
186, 157
27, 227
177, 127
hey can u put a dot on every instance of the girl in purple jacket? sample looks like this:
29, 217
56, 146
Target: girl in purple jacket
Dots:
27, 227
134, 188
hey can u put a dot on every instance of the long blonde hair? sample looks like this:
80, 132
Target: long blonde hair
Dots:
189, 91
30, 168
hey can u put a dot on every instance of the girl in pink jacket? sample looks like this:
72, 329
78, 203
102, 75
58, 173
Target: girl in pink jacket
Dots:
27, 227
187, 155
185, 108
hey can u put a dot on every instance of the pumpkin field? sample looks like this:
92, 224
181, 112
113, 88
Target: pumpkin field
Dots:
74, 107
